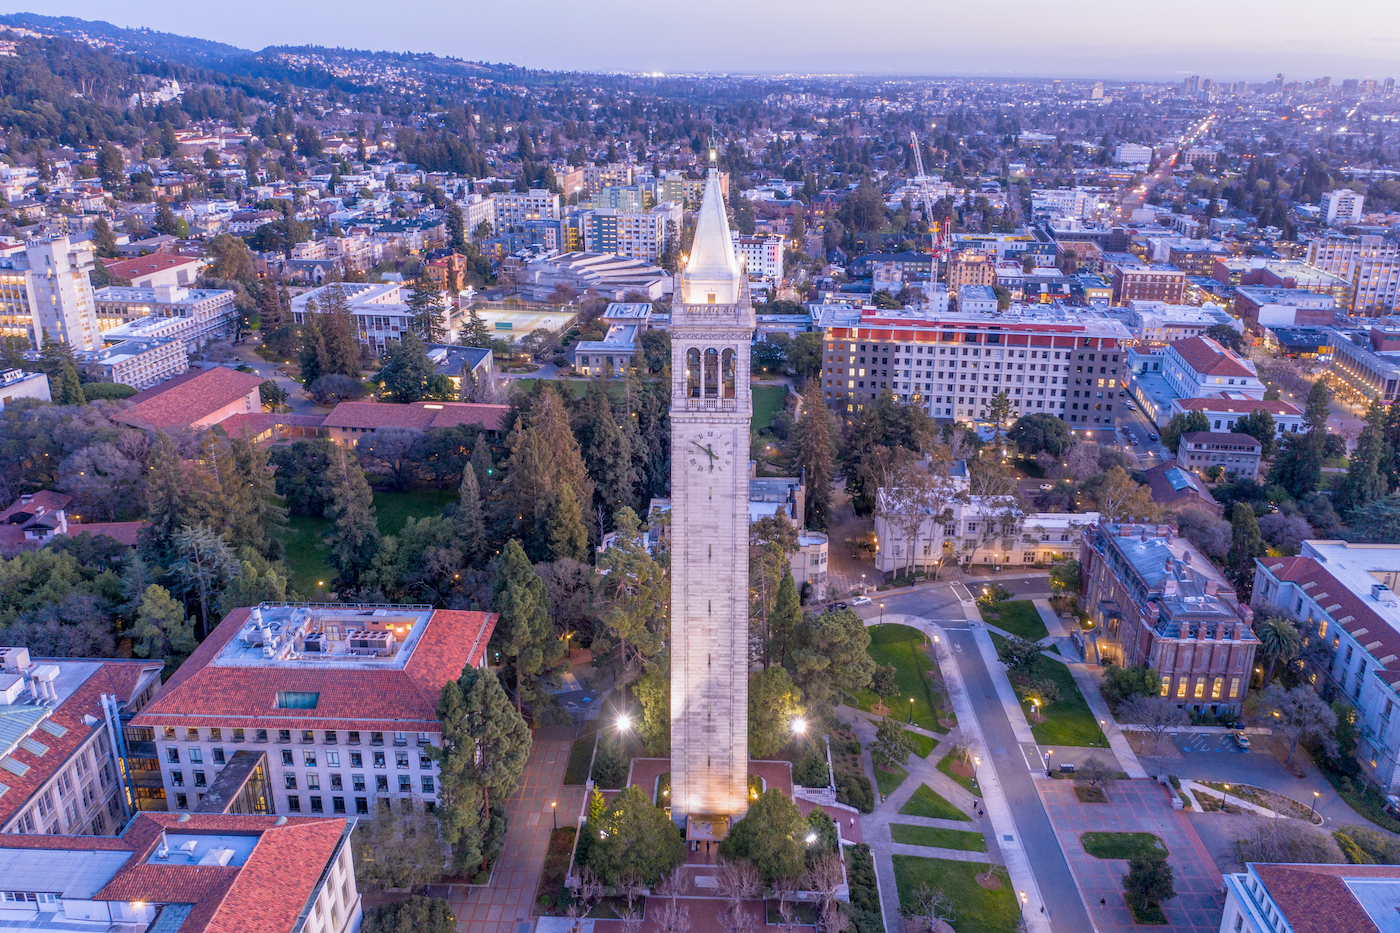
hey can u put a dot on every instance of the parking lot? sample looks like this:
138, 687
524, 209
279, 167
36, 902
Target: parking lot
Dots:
1195, 743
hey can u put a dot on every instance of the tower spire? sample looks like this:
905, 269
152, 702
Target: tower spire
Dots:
712, 271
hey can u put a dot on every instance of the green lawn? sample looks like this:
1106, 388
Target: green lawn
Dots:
306, 562
580, 758
579, 387
978, 910
945, 764
889, 780
1019, 617
902, 646
936, 838
928, 802
1068, 720
923, 744
767, 402
1122, 845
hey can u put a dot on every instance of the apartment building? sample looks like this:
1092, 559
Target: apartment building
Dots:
1135, 280
380, 310
517, 207
970, 268
1376, 284
61, 747
1132, 154
1344, 595
1262, 306
631, 234
342, 698
1268, 898
196, 873
45, 292
1286, 273
1237, 454
1342, 207
1160, 322
612, 175
1337, 253
1157, 601
17, 384
762, 256
143, 356
197, 316
1043, 357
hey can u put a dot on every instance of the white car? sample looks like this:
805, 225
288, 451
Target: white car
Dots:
861, 601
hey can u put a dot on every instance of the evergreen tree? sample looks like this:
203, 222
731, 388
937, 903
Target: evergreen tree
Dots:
250, 507
1298, 466
162, 629
483, 466
1316, 408
1246, 545
468, 519
426, 306
544, 455
70, 389
635, 602
609, 460
353, 536
564, 527
1367, 474
258, 581
523, 632
407, 373
476, 332
814, 454
203, 566
456, 229
774, 702
1259, 424
175, 497
784, 619
312, 356
338, 331
104, 239
485, 745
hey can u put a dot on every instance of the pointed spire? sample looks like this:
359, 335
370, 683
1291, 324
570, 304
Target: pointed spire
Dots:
712, 269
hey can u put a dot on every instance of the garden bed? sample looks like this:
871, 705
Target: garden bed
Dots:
1090, 794
553, 898
580, 758
960, 770
1123, 845
1150, 913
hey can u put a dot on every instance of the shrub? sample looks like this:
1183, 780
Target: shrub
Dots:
107, 390
854, 791
419, 914
771, 836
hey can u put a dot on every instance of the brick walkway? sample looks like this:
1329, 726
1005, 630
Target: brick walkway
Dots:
1135, 806
505, 904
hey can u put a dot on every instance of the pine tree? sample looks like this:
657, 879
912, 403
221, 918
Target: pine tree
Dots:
814, 453
426, 306
564, 528
353, 536
407, 372
544, 455
634, 602
609, 459
1367, 473
456, 229
255, 514
476, 332
70, 390
1246, 545
1316, 408
162, 629
523, 632
468, 519
787, 613
175, 497
104, 239
312, 356
485, 746
338, 332
203, 566
483, 467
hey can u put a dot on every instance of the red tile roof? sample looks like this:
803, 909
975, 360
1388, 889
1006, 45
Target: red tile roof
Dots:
43, 499
145, 265
418, 415
1221, 437
116, 677
251, 424
122, 532
386, 700
1209, 358
1238, 406
186, 399
1345, 608
1316, 899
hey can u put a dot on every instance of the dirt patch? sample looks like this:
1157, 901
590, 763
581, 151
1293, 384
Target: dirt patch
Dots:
947, 723
989, 880
879, 709
962, 768
1091, 795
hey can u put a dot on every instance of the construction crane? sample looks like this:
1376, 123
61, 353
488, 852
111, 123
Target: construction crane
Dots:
938, 233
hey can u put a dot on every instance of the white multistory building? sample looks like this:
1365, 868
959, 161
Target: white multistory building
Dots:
762, 255
195, 315
380, 310
45, 293
513, 208
1342, 207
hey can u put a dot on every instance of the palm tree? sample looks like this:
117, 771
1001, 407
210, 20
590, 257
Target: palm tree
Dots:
1279, 640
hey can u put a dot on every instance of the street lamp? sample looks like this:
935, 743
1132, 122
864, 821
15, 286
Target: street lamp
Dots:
911, 711
1048, 754
799, 726
882, 612
1103, 731
624, 722
1225, 797
554, 812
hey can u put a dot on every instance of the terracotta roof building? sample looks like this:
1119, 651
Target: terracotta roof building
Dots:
201, 873
1224, 410
198, 399
1173, 488
342, 698
155, 269
1343, 594
350, 421
1158, 601
59, 768
1265, 898
35, 519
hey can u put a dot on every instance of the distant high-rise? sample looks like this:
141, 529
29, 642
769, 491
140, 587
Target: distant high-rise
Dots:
1368, 86
1388, 88
1097, 92
1323, 82
45, 291
1193, 85
1342, 207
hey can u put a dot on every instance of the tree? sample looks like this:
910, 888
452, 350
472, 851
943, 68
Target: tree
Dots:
162, 630
1246, 545
1377, 522
998, 413
1279, 640
523, 632
485, 746
1316, 409
1094, 772
892, 745
772, 541
476, 332
1124, 683
230, 259
353, 536
426, 307
1036, 432
1064, 576
653, 692
634, 601
111, 167
1183, 423
565, 535
774, 703
469, 520
418, 914
1156, 715
830, 657
1259, 424
1368, 473
813, 452
1298, 466
407, 371
633, 836
398, 849
1018, 654
203, 566
928, 911
338, 330
1226, 336
1149, 881
1295, 715
544, 454
103, 239
770, 836
393, 453
1119, 498
784, 619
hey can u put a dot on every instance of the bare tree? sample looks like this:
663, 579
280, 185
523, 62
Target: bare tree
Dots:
824, 877
673, 917
927, 909
1291, 841
1297, 714
1156, 715
738, 881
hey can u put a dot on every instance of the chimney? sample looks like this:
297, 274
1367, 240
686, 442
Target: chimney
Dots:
1168, 567
1212, 587
1239, 631
1144, 533
1220, 631
1247, 614
1186, 558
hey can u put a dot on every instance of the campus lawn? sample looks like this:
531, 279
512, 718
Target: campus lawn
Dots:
936, 838
945, 764
889, 780
1019, 617
928, 802
1068, 721
392, 509
978, 909
923, 744
1123, 845
902, 646
767, 402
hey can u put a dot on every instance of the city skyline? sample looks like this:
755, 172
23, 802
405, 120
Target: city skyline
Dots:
783, 39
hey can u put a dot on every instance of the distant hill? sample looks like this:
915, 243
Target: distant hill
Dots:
144, 42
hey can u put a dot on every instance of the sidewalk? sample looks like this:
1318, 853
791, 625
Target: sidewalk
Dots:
1087, 678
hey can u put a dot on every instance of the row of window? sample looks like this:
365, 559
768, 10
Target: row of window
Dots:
1184, 685
284, 736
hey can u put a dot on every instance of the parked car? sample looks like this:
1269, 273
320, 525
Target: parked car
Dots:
861, 601
836, 607
1242, 741
1153, 437
1392, 804
1045, 487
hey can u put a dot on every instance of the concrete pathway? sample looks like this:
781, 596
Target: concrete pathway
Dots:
505, 905
1087, 678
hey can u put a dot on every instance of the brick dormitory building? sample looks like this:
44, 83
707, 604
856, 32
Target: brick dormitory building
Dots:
1155, 600
340, 699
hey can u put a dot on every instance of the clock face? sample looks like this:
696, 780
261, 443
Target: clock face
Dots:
709, 451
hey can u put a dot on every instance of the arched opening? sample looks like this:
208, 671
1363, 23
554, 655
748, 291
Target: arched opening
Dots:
692, 373
711, 373
728, 373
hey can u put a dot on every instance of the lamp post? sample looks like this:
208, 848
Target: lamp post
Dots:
1048, 754
911, 711
1103, 733
554, 812
1316, 795
1225, 797
882, 612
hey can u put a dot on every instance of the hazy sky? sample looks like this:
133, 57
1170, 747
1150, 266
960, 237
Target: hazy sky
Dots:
1237, 39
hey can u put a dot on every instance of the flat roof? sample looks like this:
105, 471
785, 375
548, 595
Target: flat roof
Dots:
226, 849
326, 635
72, 873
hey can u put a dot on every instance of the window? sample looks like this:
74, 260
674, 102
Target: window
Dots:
357, 760
238, 735
294, 803
424, 762
290, 780
337, 804
428, 784
287, 760
379, 760
308, 757
182, 802
352, 738
177, 779
405, 784
381, 783
172, 755
401, 759
216, 734
308, 737
361, 806
400, 738
200, 780
1215, 687
333, 759
331, 738
1181, 688
284, 736
169, 733
192, 735
337, 783
1234, 687
313, 781
218, 756
316, 805
358, 781
1166, 685
376, 738
260, 735
196, 755
291, 699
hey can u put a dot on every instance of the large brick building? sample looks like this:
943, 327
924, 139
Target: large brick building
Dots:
1157, 601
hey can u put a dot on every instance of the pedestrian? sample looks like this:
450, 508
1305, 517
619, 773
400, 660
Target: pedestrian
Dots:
1103, 902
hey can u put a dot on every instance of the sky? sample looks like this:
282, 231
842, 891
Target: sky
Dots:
1235, 40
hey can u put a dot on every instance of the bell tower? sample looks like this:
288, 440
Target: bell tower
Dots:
712, 327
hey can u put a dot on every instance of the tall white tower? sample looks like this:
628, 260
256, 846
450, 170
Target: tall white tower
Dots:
712, 326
